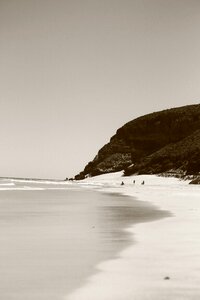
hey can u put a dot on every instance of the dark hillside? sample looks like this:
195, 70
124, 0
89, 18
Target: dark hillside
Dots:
183, 156
151, 143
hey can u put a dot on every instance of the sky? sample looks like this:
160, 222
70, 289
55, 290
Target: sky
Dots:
73, 71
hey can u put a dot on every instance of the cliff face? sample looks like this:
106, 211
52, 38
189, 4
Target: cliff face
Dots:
153, 143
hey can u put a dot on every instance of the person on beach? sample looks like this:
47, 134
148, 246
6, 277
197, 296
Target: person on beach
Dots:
133, 181
122, 183
142, 182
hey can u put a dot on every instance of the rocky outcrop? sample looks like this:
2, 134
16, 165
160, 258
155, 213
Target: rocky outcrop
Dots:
153, 143
195, 181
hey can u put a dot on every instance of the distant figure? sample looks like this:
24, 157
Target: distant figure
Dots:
133, 181
142, 182
167, 278
122, 183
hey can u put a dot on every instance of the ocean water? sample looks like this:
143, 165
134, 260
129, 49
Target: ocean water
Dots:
52, 236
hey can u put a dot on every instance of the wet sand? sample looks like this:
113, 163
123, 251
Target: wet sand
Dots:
164, 262
52, 240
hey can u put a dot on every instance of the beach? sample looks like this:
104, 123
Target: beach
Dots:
164, 261
53, 235
100, 240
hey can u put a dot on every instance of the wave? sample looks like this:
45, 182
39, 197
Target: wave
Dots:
7, 184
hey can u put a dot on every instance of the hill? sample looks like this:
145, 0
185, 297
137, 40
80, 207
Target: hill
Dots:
151, 144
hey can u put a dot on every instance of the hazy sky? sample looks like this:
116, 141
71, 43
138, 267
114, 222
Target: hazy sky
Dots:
73, 71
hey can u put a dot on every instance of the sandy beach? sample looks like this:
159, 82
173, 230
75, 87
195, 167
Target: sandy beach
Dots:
77, 241
164, 263
53, 235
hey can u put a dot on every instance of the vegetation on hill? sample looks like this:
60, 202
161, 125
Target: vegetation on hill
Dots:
154, 143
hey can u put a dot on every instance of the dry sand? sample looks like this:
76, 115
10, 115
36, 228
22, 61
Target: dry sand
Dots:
165, 262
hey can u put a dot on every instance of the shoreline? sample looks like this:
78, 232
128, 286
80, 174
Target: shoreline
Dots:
165, 260
53, 238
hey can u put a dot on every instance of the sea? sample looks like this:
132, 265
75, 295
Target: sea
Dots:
54, 234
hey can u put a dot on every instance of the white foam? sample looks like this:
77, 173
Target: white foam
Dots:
24, 188
39, 181
7, 184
